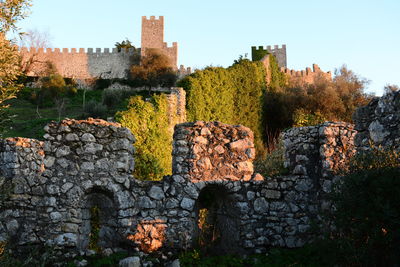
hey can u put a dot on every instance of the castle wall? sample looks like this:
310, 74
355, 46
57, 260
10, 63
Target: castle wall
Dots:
306, 76
80, 64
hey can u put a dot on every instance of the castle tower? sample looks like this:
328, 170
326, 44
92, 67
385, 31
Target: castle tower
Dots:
153, 37
257, 53
152, 32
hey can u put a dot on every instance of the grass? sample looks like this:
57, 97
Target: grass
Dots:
26, 122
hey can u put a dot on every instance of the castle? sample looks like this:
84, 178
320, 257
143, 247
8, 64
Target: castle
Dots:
306, 76
81, 64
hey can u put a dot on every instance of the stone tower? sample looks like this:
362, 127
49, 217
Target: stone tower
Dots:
257, 53
153, 37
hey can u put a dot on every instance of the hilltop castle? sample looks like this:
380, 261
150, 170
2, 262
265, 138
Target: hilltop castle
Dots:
84, 64
306, 76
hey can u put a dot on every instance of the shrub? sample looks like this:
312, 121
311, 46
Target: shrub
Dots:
148, 121
232, 95
272, 163
367, 210
303, 118
95, 109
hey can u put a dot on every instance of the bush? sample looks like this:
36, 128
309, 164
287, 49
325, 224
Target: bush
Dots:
232, 95
148, 121
367, 210
272, 163
116, 97
367, 216
95, 109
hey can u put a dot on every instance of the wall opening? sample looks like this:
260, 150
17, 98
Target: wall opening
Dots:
217, 221
99, 221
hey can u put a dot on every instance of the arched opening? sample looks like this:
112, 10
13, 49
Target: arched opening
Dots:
99, 221
217, 221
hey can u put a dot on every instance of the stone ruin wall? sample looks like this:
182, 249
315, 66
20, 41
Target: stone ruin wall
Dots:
49, 188
83, 164
379, 122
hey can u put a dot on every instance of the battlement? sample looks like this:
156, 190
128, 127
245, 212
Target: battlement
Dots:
268, 48
153, 18
174, 44
306, 76
34, 50
259, 52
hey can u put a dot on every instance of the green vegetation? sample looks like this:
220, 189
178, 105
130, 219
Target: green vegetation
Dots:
297, 104
94, 229
155, 69
232, 95
318, 254
11, 11
148, 121
367, 210
258, 54
27, 122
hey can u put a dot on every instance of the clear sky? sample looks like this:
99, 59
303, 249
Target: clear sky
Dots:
363, 34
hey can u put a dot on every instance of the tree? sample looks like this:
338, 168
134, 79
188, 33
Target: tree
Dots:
11, 11
126, 44
155, 70
54, 85
36, 39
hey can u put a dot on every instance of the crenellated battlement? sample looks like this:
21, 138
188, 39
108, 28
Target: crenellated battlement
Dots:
153, 18
259, 52
99, 51
306, 76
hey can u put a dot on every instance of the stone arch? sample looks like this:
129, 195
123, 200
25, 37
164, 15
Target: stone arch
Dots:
218, 222
99, 227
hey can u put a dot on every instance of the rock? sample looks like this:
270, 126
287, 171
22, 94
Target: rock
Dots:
88, 137
146, 203
72, 137
377, 132
260, 205
63, 151
187, 203
81, 263
156, 192
175, 263
130, 262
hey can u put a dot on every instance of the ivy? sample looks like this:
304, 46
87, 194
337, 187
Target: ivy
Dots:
148, 121
232, 95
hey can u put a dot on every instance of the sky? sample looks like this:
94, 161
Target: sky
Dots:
363, 34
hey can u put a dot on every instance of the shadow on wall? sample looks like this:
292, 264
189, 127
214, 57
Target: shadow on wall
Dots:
217, 221
99, 221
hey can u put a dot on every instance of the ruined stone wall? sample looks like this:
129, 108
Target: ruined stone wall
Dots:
379, 122
79, 64
86, 164
306, 76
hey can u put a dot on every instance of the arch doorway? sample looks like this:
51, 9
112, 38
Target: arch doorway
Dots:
99, 221
217, 221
